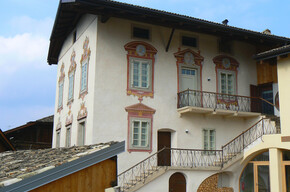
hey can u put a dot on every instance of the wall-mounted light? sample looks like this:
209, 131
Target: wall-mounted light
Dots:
186, 131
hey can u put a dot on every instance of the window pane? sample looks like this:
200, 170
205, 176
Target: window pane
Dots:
247, 179
60, 94
71, 85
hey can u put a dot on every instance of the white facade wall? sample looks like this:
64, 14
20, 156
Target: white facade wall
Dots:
107, 97
111, 88
87, 27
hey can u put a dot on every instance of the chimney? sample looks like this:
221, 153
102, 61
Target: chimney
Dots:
225, 22
267, 31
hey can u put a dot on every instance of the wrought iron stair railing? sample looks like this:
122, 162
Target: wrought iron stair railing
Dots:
205, 99
194, 158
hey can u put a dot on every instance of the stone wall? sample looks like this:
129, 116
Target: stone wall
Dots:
210, 184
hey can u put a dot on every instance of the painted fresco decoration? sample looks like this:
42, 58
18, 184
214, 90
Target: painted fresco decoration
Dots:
190, 58
60, 90
141, 50
82, 112
58, 125
85, 61
69, 118
87, 51
62, 74
73, 63
226, 63
142, 112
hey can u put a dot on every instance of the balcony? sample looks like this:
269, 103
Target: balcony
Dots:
210, 103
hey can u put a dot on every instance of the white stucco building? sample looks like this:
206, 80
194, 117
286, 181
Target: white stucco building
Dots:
157, 79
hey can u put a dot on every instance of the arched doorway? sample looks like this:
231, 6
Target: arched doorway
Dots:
177, 183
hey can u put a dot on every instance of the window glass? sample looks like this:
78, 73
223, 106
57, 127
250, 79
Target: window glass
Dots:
262, 157
71, 86
286, 155
60, 94
140, 129
81, 134
140, 74
227, 83
247, 179
57, 139
209, 139
68, 135
189, 41
84, 77
141, 33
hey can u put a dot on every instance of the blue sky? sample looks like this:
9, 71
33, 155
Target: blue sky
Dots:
27, 82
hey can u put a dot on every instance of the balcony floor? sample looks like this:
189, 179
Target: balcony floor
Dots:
218, 112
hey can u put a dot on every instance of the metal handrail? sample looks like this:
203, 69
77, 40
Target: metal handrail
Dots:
206, 99
194, 157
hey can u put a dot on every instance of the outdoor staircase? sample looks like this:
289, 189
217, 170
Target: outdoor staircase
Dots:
151, 168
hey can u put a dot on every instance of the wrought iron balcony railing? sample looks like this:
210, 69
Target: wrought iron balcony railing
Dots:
195, 158
214, 101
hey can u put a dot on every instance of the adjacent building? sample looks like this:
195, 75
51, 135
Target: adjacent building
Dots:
196, 111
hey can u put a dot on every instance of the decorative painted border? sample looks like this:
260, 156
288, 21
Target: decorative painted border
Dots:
85, 58
82, 112
72, 69
234, 64
69, 118
61, 80
180, 59
149, 54
139, 110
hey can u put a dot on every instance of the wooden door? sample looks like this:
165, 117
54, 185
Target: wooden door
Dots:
255, 102
177, 183
164, 140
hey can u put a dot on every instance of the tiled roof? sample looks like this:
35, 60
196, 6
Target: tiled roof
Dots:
273, 53
69, 13
18, 165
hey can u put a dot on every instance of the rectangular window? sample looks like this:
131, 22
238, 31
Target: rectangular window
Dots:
60, 94
84, 77
209, 140
68, 136
57, 142
140, 133
81, 133
140, 74
71, 86
189, 41
227, 83
139, 32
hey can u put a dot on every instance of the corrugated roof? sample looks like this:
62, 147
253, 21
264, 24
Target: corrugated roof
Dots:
69, 12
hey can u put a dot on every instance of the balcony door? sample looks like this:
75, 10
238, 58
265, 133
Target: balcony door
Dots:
164, 140
189, 80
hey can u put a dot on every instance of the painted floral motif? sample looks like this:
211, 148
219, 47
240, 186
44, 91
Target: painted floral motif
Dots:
87, 51
69, 118
62, 75
83, 112
73, 63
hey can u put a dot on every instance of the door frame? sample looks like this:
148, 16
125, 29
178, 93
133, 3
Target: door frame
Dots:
256, 174
284, 163
166, 152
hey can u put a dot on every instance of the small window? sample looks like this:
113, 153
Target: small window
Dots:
140, 133
84, 77
60, 94
225, 46
74, 36
139, 32
57, 143
141, 74
71, 86
68, 136
209, 140
81, 133
189, 41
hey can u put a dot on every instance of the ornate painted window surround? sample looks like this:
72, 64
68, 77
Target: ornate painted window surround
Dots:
71, 72
228, 65
183, 59
85, 61
142, 51
139, 112
60, 88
